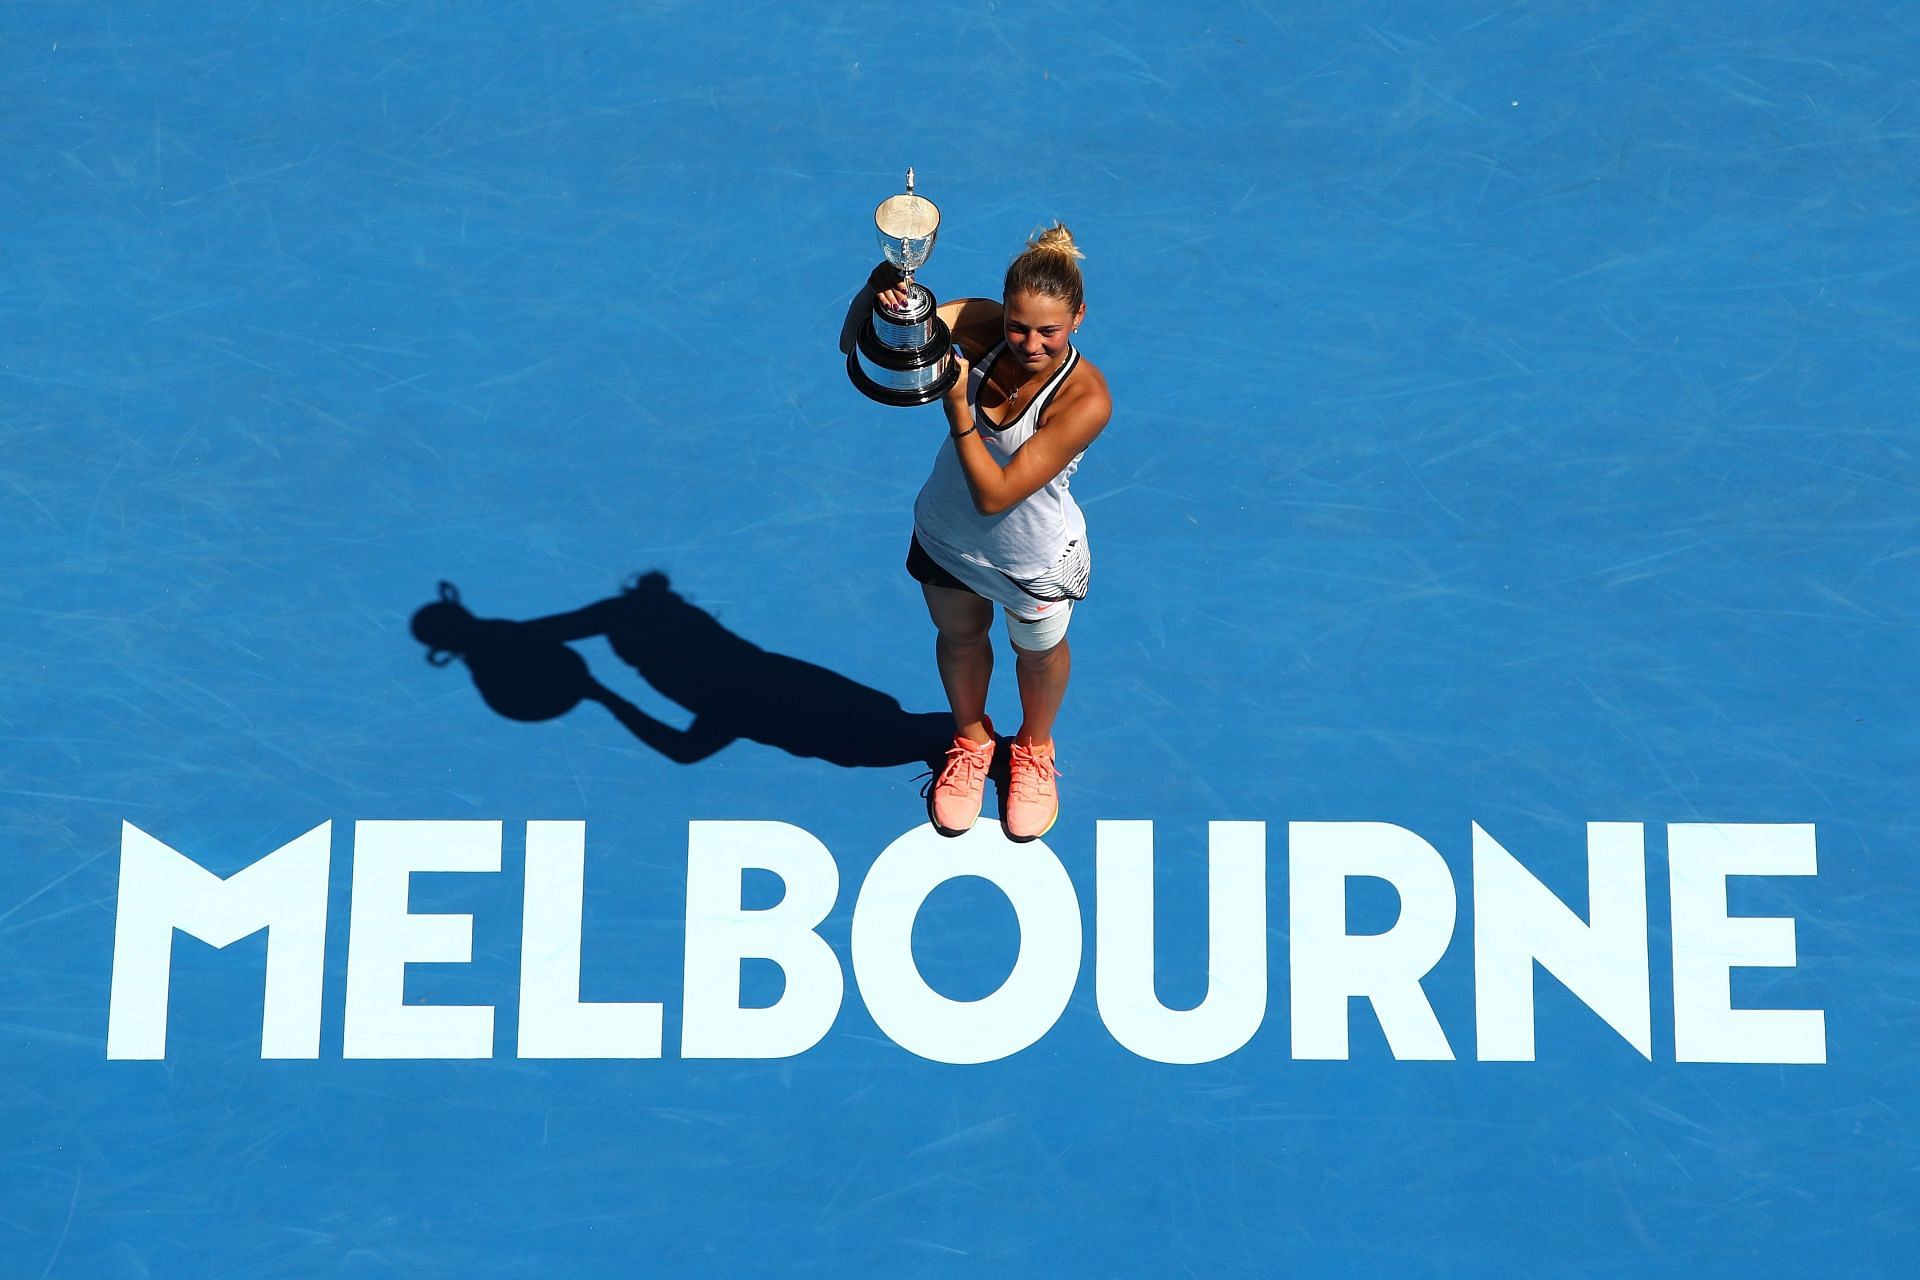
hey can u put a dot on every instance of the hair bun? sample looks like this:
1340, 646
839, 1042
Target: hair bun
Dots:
1056, 239
1050, 266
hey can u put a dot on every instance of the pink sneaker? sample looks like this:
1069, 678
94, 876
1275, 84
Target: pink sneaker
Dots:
953, 802
1033, 799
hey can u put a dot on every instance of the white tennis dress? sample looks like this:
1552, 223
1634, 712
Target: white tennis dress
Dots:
1032, 557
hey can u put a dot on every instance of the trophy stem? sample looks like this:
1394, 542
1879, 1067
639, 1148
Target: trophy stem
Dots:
906, 276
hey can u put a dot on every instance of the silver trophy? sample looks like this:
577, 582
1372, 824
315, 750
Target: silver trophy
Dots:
905, 356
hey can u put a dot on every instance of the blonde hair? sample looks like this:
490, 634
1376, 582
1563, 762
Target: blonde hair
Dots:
1050, 267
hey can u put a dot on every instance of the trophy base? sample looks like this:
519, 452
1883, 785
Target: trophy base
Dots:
899, 399
890, 376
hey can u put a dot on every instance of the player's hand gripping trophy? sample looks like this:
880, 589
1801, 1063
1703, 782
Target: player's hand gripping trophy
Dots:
904, 356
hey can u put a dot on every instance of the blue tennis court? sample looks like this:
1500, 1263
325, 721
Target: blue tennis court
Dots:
466, 720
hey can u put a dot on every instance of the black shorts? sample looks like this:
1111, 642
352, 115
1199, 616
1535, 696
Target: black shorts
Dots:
924, 570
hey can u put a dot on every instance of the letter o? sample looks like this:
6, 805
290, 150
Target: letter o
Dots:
918, 1018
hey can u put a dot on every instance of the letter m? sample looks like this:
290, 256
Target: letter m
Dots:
161, 890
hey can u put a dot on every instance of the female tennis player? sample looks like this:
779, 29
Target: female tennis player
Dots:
995, 523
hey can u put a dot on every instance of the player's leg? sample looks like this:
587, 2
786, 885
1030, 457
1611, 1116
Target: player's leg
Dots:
963, 650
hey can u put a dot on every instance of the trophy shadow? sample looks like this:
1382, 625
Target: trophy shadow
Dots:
527, 671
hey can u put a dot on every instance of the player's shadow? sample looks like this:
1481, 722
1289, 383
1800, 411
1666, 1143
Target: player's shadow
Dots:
733, 687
